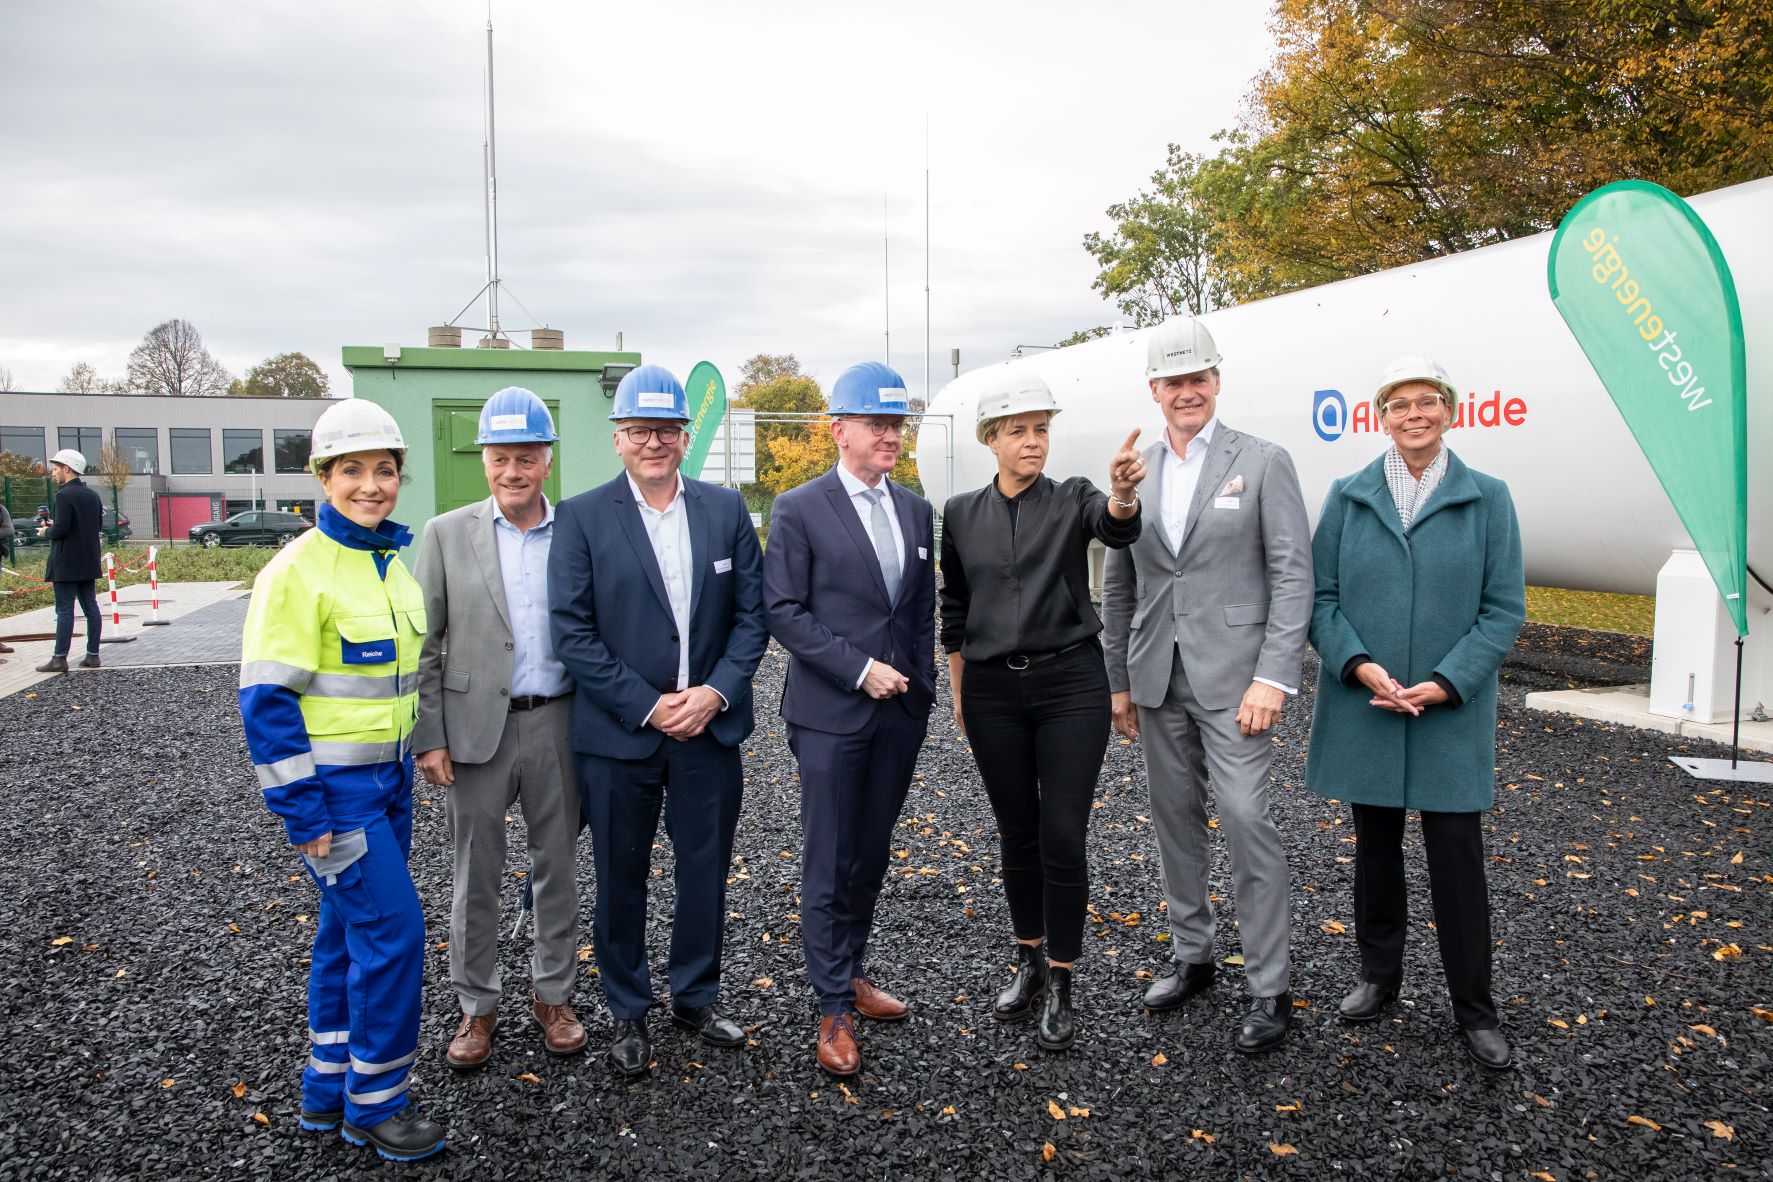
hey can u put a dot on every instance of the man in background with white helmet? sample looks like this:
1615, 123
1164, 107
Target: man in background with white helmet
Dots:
495, 726
1206, 622
73, 564
655, 593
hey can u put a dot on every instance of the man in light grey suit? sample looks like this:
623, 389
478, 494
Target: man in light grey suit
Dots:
1206, 617
495, 725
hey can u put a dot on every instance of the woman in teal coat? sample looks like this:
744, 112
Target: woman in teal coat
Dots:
1420, 596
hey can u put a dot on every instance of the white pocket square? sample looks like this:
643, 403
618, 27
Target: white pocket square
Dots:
1233, 486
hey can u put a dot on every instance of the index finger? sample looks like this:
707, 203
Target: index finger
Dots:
1131, 439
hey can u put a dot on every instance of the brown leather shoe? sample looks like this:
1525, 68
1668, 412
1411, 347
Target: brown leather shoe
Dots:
89, 661
562, 1032
55, 664
472, 1044
876, 1003
838, 1052
5, 648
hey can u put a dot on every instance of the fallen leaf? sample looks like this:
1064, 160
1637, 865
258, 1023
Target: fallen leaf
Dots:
530, 1077
1054, 1111
1702, 1028
1727, 952
239, 1091
1558, 1022
1543, 1176
1047, 1151
1019, 1066
1539, 1100
1334, 927
1202, 1135
167, 1083
60, 940
764, 982
1737, 860
1080, 1113
1720, 1129
1763, 1015
1646, 1122
1159, 1059
1282, 1150
261, 1118
948, 1111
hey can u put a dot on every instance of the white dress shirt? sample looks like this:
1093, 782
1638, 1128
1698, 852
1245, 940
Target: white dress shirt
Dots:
852, 484
523, 568
668, 530
1181, 479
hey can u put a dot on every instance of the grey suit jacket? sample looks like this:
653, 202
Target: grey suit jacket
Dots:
465, 662
1236, 602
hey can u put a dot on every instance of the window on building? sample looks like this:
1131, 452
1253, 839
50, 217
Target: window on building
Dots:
190, 451
292, 449
229, 508
85, 440
24, 441
242, 451
142, 446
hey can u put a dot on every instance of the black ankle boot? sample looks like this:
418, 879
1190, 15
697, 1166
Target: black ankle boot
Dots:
1018, 998
1058, 1029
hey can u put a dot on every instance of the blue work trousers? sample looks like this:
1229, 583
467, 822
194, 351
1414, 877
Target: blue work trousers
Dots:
65, 595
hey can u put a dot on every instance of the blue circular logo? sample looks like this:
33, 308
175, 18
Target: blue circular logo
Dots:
1329, 414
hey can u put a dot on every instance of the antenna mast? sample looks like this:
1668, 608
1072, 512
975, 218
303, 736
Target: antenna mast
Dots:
886, 273
926, 261
492, 191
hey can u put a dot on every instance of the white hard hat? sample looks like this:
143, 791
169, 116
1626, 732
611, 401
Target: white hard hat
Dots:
356, 424
1413, 367
1013, 393
1180, 346
70, 458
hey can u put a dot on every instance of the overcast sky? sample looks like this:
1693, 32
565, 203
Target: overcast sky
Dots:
706, 178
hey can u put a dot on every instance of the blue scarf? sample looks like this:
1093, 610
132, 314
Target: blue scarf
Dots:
382, 542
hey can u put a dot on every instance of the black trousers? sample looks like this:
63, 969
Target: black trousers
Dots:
66, 593
1038, 735
1454, 843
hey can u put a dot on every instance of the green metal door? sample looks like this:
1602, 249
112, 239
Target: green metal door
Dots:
460, 478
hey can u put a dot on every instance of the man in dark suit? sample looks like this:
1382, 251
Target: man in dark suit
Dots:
73, 564
850, 591
656, 607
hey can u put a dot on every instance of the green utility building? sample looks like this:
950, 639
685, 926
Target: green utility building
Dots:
435, 394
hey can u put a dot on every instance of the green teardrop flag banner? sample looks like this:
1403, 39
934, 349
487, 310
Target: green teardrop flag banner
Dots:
707, 403
1647, 294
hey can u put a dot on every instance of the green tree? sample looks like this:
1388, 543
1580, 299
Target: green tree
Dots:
13, 464
287, 375
763, 369
1086, 334
1156, 262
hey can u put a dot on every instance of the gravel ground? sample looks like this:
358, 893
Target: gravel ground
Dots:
153, 934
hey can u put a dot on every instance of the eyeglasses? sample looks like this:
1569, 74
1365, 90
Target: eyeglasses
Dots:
878, 427
638, 436
1400, 408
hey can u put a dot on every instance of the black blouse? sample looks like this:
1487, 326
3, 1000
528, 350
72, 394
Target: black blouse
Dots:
1015, 574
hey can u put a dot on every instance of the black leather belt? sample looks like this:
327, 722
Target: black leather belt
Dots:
1021, 661
533, 701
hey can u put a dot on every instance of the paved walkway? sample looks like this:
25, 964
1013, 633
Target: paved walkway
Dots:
206, 619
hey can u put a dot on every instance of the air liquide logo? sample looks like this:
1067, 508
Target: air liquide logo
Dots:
1331, 417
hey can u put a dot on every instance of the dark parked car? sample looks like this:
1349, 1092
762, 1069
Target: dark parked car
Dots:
255, 528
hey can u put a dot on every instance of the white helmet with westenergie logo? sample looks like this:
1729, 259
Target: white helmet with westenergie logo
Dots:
1180, 346
1413, 367
1012, 393
356, 424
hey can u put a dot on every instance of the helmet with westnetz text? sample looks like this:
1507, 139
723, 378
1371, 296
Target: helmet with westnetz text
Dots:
869, 388
515, 415
650, 392
1179, 346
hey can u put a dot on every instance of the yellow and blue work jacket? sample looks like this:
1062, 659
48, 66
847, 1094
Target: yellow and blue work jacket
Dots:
329, 675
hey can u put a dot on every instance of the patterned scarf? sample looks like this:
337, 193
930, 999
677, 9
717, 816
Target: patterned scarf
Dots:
1408, 493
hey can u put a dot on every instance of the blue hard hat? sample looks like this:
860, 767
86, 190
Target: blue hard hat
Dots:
650, 392
515, 415
869, 389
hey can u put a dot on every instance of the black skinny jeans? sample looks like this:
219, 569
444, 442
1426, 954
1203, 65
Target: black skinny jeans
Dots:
65, 596
1458, 889
1038, 735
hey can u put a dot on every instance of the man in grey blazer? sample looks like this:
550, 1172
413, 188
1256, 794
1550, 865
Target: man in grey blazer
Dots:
495, 726
1206, 617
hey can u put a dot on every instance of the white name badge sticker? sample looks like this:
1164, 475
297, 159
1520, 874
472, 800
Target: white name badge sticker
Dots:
923, 553
1225, 502
507, 423
722, 565
656, 399
893, 396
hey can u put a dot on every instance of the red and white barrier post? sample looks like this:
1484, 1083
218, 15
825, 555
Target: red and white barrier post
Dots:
154, 620
111, 578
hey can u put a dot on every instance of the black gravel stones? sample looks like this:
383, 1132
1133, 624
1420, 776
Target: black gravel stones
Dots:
154, 929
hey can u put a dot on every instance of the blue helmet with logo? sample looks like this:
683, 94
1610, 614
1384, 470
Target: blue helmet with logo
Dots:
869, 388
515, 415
650, 392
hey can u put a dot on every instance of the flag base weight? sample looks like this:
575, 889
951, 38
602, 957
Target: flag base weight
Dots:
1740, 771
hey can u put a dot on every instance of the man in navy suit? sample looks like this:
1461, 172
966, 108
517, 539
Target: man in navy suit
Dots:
657, 612
850, 592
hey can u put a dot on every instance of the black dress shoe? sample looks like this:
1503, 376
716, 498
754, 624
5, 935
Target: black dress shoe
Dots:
1179, 986
1488, 1048
1058, 1027
1266, 1024
1367, 1002
712, 1026
1016, 1000
632, 1049
405, 1136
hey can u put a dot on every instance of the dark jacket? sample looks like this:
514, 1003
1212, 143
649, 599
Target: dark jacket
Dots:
74, 535
611, 620
828, 606
1447, 600
1024, 588
7, 532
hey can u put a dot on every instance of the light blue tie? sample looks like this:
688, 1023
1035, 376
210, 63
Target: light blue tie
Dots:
885, 548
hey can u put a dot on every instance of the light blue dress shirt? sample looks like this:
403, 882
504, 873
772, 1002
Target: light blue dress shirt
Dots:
523, 565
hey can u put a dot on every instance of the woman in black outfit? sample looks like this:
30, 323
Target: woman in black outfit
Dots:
1030, 689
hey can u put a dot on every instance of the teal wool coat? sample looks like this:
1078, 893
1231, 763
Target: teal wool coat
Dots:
1450, 599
